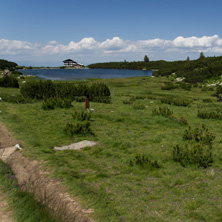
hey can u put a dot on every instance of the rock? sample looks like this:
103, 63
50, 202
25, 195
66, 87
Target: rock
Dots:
7, 152
77, 146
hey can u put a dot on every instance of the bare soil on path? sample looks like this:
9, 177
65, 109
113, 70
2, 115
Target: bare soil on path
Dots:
6, 140
5, 213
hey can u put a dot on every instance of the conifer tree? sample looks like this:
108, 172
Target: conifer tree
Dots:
146, 59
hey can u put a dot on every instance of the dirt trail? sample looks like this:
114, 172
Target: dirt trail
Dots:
5, 213
5, 140
48, 191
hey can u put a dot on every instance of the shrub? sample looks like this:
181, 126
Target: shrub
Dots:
16, 73
151, 97
216, 114
198, 148
82, 116
175, 101
48, 104
78, 128
181, 102
198, 154
15, 99
199, 135
141, 97
144, 161
51, 103
185, 86
7, 81
207, 100
168, 86
127, 102
102, 99
167, 100
182, 121
167, 112
138, 106
163, 111
80, 99
98, 92
38, 89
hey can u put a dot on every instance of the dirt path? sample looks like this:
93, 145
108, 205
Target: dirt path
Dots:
5, 213
6, 140
46, 190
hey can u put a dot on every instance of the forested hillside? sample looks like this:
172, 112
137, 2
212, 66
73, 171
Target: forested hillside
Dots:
193, 70
4, 64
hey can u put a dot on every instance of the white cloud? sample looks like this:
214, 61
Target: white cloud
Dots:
113, 44
12, 47
205, 41
112, 49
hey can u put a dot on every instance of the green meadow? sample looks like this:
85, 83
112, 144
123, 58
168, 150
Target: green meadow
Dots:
131, 174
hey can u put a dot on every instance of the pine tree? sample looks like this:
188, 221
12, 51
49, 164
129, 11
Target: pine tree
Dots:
146, 59
202, 56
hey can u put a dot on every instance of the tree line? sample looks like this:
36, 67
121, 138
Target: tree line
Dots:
193, 71
4, 64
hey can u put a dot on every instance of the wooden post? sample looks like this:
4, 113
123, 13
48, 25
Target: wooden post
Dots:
86, 103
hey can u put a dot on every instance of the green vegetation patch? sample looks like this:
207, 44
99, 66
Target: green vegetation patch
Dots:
101, 176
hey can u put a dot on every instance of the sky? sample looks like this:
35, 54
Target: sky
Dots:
46, 32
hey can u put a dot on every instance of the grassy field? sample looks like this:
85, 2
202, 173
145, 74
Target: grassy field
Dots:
103, 177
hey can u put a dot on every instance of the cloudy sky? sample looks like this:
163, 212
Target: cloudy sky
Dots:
45, 32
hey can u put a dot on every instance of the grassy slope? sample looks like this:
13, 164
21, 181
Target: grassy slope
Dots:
102, 177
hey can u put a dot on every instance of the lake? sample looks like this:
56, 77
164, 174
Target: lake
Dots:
80, 74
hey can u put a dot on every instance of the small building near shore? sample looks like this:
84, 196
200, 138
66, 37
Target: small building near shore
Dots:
70, 62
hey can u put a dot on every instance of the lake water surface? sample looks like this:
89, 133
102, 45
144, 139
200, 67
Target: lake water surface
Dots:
80, 74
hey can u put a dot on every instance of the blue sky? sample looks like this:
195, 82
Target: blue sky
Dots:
47, 32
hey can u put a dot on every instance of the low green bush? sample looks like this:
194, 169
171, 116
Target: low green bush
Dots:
167, 112
7, 81
144, 161
127, 102
199, 135
80, 99
16, 99
175, 101
16, 73
97, 92
48, 104
182, 121
168, 86
51, 103
78, 128
102, 99
138, 106
207, 100
82, 116
38, 89
141, 97
185, 86
198, 154
213, 114
197, 149
181, 102
163, 111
